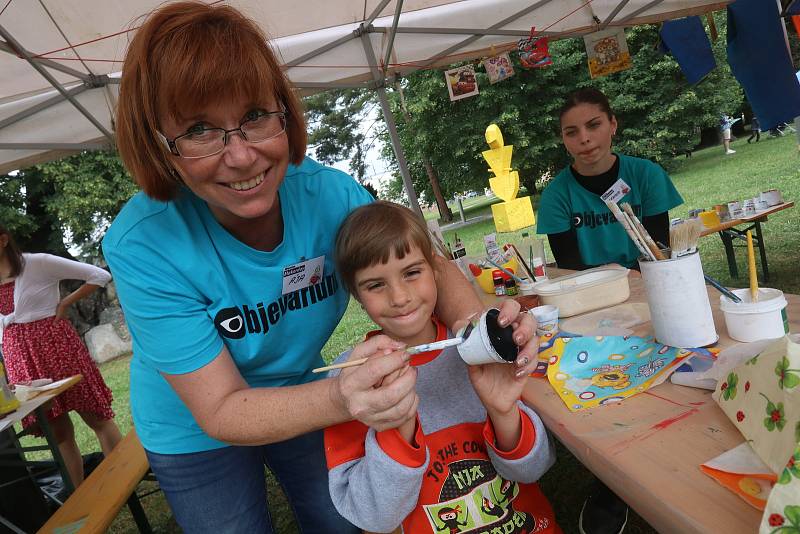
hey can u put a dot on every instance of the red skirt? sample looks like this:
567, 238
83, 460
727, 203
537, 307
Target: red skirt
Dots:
51, 348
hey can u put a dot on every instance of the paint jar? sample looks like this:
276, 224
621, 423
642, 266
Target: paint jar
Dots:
772, 197
499, 283
710, 218
748, 208
735, 209
678, 300
8, 402
489, 342
749, 321
527, 298
546, 319
511, 287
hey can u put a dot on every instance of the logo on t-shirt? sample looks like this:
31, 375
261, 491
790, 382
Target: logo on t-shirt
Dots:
591, 219
236, 321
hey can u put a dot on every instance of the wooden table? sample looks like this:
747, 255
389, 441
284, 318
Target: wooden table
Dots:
728, 232
37, 406
649, 447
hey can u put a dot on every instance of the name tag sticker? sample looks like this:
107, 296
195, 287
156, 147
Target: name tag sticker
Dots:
616, 192
303, 274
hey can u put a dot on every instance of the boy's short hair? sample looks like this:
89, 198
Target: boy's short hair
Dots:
371, 233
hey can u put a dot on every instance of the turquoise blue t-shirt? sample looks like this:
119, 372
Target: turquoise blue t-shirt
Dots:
567, 204
187, 287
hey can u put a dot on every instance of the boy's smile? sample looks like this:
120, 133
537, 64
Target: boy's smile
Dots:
400, 296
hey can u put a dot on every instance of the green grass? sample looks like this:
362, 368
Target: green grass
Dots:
708, 178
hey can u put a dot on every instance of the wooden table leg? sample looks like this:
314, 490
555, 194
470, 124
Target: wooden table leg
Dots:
727, 241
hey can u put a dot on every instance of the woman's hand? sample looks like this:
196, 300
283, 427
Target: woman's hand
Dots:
381, 392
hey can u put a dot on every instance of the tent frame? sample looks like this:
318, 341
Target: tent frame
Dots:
382, 75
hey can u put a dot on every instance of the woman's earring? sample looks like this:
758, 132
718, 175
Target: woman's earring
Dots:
175, 175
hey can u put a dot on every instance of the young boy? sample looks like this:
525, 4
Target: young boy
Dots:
470, 459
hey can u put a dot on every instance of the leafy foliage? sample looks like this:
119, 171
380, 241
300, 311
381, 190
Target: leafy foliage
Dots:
334, 120
660, 116
77, 196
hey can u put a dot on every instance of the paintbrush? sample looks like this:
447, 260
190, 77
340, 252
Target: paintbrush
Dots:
683, 236
627, 226
518, 256
462, 334
751, 267
509, 273
722, 289
643, 231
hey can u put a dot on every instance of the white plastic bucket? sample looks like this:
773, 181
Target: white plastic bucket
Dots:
749, 321
678, 300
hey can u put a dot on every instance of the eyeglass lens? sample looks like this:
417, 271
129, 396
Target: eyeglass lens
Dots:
213, 140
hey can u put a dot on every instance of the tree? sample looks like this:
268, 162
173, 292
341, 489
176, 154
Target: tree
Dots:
77, 196
335, 127
659, 114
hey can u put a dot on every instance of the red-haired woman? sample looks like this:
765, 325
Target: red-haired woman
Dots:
224, 268
39, 342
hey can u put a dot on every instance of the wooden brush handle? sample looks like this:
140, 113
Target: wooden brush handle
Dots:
640, 227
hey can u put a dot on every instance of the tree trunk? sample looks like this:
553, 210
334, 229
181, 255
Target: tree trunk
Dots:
444, 210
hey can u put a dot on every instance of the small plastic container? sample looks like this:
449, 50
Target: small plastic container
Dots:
751, 321
585, 291
527, 297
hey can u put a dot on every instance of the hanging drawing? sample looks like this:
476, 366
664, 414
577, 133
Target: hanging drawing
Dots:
534, 52
590, 371
498, 67
607, 51
461, 82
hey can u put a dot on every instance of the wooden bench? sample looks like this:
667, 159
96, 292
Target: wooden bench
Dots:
96, 502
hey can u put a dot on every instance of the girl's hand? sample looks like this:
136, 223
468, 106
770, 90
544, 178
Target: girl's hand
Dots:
61, 310
497, 386
524, 326
381, 392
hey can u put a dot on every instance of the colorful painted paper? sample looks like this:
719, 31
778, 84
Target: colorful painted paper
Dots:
547, 345
534, 52
498, 68
741, 471
762, 399
461, 82
607, 51
590, 371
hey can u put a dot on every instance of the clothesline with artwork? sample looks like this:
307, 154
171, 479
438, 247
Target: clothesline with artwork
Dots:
607, 52
597, 370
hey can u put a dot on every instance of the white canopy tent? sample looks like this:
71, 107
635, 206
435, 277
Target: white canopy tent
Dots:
60, 61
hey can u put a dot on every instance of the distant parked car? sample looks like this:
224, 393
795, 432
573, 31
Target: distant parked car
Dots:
471, 194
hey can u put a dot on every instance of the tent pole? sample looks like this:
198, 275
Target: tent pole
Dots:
398, 150
380, 80
49, 77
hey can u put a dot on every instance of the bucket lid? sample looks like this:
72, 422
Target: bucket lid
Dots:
581, 280
769, 299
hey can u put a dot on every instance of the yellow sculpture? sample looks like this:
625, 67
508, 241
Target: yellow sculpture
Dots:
513, 213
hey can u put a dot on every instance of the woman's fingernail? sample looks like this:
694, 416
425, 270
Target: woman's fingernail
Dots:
521, 373
523, 362
518, 339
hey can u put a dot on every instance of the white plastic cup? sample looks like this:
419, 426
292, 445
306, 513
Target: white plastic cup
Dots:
678, 300
546, 319
489, 342
749, 321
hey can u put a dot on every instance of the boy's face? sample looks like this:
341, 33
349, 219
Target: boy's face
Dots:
400, 296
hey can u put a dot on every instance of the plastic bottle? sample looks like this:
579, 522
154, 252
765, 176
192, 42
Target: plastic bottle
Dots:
8, 402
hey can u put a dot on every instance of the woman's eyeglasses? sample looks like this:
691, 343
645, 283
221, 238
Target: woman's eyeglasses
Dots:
204, 142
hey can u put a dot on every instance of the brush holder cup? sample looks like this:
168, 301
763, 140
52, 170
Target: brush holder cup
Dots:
678, 300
